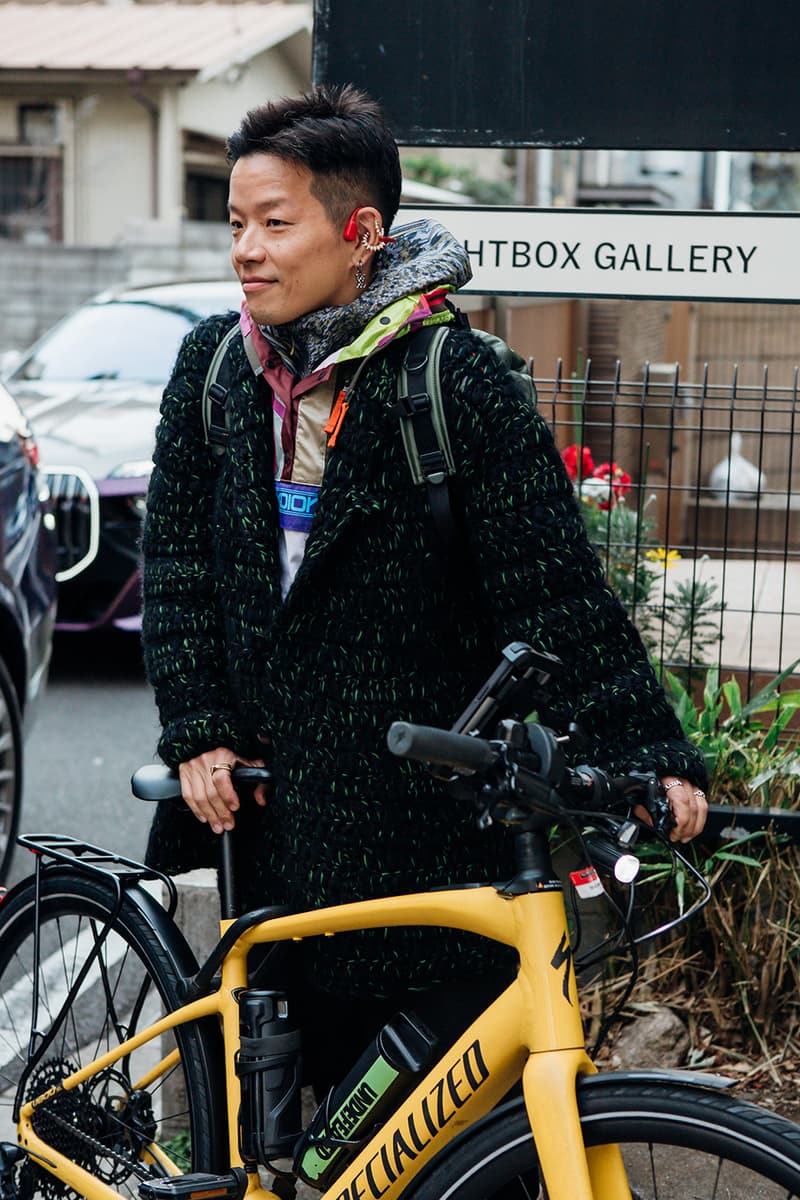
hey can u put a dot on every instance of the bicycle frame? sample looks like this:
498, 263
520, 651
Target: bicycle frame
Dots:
533, 1031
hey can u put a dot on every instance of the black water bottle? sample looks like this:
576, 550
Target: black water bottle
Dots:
383, 1076
269, 1067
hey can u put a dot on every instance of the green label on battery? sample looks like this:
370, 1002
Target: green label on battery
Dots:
349, 1117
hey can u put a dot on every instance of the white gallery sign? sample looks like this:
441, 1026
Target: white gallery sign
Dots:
622, 253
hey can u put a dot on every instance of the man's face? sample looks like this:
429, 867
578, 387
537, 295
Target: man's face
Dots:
288, 255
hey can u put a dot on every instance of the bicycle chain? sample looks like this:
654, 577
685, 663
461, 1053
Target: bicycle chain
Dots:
140, 1170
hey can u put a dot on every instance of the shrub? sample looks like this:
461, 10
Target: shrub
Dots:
679, 623
734, 970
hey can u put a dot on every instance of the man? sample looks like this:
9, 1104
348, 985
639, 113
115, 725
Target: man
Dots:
296, 601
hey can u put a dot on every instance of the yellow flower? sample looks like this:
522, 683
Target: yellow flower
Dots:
662, 556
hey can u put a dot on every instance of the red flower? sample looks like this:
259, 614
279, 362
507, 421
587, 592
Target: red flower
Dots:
619, 481
570, 457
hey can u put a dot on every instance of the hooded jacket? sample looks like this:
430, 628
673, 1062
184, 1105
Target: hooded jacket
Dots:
373, 629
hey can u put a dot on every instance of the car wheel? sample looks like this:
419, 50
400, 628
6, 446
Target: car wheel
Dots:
10, 769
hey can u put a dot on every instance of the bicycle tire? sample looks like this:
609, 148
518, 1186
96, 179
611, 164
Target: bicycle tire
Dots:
105, 1125
679, 1142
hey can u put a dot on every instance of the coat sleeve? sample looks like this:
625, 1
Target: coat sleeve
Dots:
540, 579
181, 627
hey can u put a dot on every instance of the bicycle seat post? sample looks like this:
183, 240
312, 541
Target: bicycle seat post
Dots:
226, 881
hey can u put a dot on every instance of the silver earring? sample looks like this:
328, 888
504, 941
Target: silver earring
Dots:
365, 242
361, 279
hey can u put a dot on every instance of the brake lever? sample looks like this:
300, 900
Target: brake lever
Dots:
657, 805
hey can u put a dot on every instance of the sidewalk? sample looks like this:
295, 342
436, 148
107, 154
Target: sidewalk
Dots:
761, 618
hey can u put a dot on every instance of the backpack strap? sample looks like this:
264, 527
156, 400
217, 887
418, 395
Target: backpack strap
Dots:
216, 417
424, 428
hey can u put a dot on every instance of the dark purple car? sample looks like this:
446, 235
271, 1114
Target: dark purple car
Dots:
27, 605
91, 388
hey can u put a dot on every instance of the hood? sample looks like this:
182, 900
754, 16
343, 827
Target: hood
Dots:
93, 425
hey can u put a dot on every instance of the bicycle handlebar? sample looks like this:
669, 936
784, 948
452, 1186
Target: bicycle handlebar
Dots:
583, 787
156, 782
426, 744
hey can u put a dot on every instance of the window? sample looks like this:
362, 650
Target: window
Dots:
31, 177
206, 197
30, 196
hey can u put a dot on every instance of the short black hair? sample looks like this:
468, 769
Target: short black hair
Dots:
340, 135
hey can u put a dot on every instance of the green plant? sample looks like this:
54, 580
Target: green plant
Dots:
679, 623
749, 755
735, 970
179, 1148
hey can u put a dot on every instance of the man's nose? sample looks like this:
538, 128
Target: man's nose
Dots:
248, 247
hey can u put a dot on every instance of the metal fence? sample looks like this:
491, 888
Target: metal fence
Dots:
703, 542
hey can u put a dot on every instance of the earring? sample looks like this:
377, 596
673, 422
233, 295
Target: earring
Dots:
361, 279
365, 242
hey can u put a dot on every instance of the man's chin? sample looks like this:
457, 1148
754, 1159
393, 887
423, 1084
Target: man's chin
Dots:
257, 311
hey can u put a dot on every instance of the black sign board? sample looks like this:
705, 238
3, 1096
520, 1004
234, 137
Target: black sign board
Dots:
625, 74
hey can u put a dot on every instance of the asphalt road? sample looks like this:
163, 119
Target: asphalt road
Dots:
96, 725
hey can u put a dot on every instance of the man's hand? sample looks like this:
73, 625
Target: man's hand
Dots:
688, 806
207, 787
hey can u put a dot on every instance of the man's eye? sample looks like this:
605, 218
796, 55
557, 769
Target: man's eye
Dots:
275, 221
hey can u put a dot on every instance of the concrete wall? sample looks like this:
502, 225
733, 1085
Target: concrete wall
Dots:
40, 284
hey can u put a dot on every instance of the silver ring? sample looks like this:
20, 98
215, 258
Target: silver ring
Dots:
674, 783
221, 767
697, 792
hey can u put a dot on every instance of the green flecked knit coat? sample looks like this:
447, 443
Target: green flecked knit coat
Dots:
373, 630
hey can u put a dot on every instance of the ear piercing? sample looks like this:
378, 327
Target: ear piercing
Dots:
365, 242
361, 279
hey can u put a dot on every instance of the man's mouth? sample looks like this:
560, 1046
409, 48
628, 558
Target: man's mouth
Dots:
253, 285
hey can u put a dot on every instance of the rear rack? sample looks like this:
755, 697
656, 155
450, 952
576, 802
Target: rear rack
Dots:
94, 860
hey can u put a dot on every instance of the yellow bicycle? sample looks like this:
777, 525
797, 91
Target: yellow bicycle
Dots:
125, 1068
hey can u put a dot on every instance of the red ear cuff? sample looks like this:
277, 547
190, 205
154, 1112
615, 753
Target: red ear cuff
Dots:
351, 229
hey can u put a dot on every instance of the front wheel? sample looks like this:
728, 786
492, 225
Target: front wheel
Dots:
679, 1142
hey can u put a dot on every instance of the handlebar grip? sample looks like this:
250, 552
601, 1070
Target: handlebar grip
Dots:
426, 744
156, 782
251, 775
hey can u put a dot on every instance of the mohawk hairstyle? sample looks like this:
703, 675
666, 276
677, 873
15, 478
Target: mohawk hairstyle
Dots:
340, 135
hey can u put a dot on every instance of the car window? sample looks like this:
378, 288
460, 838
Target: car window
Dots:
127, 341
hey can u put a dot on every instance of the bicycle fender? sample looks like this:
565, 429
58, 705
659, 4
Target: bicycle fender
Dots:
178, 949
703, 1079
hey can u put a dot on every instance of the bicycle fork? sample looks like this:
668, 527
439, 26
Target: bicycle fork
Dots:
553, 1031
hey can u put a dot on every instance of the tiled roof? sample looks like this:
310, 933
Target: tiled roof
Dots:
151, 37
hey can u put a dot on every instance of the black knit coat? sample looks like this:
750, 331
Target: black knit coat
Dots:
374, 629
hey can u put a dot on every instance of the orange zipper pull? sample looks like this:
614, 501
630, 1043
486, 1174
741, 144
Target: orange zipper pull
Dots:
336, 419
